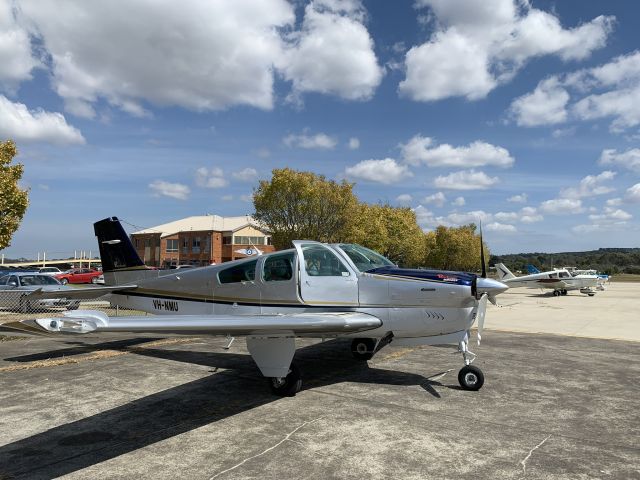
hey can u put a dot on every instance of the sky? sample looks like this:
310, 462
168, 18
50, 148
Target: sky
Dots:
524, 115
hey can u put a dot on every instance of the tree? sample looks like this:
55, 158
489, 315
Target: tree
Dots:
454, 248
391, 231
13, 200
303, 205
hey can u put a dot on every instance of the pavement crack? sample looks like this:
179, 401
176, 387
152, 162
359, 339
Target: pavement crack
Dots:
287, 437
523, 462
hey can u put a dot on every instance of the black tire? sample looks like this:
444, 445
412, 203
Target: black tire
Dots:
556, 293
64, 281
471, 378
289, 385
362, 348
563, 292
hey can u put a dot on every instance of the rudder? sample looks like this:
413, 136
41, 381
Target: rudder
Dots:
116, 250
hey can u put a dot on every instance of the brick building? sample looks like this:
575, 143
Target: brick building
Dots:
200, 240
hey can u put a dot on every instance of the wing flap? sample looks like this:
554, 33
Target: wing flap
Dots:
299, 324
78, 293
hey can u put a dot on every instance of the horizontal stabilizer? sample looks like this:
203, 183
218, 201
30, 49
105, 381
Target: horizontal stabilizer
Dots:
299, 324
78, 293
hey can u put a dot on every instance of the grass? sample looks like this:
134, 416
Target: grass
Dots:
11, 338
625, 277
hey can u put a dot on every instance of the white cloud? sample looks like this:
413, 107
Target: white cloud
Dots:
319, 141
333, 53
614, 202
15, 50
522, 198
611, 90
501, 227
421, 150
465, 180
246, 174
173, 190
210, 178
385, 171
354, 143
506, 216
546, 105
611, 214
197, 55
248, 198
22, 124
530, 215
477, 46
562, 206
404, 198
436, 199
464, 218
425, 218
609, 219
563, 132
590, 186
458, 202
633, 193
629, 159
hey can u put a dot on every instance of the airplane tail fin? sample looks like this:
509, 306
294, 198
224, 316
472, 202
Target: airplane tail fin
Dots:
503, 272
531, 269
116, 250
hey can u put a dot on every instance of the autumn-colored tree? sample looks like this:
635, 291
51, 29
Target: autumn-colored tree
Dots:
454, 248
391, 231
13, 200
302, 205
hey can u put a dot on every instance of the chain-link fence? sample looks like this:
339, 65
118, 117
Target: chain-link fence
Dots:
16, 305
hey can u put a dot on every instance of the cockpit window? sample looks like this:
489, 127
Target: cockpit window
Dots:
565, 275
319, 261
278, 268
363, 258
244, 272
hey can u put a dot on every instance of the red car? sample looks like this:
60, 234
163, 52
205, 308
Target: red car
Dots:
80, 275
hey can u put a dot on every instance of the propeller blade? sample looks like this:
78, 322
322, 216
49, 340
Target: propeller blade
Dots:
481, 313
484, 268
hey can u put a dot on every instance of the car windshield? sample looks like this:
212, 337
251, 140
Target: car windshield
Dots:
30, 280
363, 258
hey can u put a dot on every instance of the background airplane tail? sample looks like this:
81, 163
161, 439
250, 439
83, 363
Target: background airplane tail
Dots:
116, 250
532, 269
503, 272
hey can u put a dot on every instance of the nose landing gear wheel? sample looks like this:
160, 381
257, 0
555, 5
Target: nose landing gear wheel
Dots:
362, 348
287, 386
471, 378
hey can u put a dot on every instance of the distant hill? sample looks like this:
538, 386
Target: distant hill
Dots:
606, 260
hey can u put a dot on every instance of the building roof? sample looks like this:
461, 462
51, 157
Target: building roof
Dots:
202, 223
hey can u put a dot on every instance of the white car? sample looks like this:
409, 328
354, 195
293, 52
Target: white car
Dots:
51, 271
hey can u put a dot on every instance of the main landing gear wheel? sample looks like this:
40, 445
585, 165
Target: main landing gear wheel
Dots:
287, 386
556, 293
563, 291
362, 348
471, 378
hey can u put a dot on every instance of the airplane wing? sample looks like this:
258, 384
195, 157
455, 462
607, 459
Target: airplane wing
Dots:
297, 324
78, 293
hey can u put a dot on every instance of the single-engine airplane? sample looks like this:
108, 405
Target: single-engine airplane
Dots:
561, 281
312, 290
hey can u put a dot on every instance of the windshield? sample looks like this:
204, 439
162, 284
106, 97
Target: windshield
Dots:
363, 258
28, 280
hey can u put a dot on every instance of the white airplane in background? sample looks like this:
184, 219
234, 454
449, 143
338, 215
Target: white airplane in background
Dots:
313, 290
561, 281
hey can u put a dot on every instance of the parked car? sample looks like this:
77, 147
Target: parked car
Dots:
50, 271
16, 286
100, 280
79, 275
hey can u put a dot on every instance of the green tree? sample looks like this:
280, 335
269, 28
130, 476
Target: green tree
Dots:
454, 248
13, 200
391, 231
303, 205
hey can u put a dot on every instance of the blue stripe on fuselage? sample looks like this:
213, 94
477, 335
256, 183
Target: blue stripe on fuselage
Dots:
453, 278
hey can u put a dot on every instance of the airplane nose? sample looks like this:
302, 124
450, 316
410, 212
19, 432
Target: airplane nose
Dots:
490, 287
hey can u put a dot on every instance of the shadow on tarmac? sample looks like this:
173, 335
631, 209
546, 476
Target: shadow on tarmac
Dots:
142, 422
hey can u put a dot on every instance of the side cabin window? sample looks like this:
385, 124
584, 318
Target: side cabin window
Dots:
278, 268
321, 262
565, 275
553, 275
244, 272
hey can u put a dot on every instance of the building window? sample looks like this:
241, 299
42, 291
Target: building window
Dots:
241, 240
185, 245
172, 245
245, 272
278, 268
195, 246
226, 240
269, 242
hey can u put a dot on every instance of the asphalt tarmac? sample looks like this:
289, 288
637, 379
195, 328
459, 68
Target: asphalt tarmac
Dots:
119, 406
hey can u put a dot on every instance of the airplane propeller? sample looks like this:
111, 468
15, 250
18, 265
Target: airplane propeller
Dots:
492, 298
481, 313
